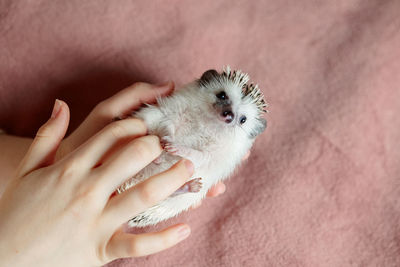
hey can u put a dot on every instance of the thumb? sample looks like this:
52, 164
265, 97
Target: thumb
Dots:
43, 149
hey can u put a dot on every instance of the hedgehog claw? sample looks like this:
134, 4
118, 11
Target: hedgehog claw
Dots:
171, 149
192, 186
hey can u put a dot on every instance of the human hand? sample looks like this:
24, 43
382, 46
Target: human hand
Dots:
120, 105
61, 213
14, 148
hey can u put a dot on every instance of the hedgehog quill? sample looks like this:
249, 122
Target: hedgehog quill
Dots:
213, 122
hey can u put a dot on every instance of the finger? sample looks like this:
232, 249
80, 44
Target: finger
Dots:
123, 207
127, 162
216, 190
123, 245
44, 146
121, 103
113, 134
132, 98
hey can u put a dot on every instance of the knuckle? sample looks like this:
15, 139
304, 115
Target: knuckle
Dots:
126, 128
166, 240
85, 201
117, 129
143, 149
87, 194
153, 142
139, 123
148, 195
99, 107
80, 206
104, 109
43, 132
134, 249
69, 169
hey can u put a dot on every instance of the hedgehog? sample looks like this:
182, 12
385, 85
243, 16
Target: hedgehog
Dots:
212, 121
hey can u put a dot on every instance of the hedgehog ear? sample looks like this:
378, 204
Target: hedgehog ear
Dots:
259, 128
208, 76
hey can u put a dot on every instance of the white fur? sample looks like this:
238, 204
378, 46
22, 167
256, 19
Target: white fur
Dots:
189, 121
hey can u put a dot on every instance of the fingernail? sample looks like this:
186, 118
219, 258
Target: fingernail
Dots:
56, 108
189, 166
168, 86
165, 84
183, 232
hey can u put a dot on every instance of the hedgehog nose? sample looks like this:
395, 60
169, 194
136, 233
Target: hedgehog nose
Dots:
228, 116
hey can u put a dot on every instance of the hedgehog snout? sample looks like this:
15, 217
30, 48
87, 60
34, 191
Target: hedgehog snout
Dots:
227, 116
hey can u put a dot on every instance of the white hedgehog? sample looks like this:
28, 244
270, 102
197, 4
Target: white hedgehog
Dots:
213, 122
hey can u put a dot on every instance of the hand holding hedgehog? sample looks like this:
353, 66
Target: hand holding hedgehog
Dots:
72, 190
56, 208
216, 117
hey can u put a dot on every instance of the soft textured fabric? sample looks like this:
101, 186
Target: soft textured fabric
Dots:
321, 187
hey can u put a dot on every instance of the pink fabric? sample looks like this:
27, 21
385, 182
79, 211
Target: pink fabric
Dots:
322, 185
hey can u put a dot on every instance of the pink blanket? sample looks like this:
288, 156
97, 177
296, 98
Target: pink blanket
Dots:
322, 185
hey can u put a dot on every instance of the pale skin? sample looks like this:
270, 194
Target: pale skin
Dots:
57, 208
14, 148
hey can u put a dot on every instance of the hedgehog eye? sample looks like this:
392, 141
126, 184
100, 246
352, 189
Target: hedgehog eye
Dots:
221, 95
243, 119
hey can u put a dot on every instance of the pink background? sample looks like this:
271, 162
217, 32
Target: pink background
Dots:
322, 185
